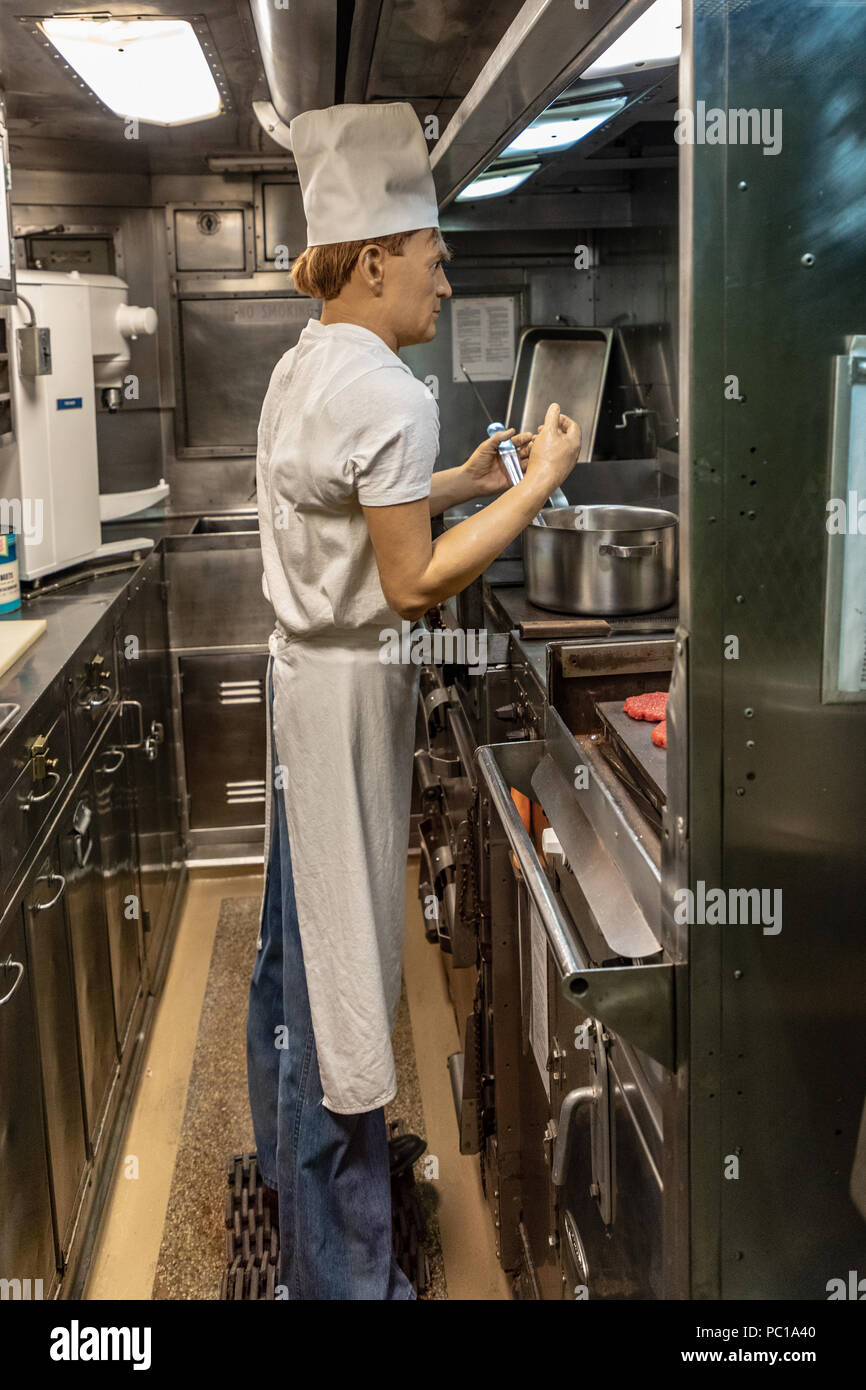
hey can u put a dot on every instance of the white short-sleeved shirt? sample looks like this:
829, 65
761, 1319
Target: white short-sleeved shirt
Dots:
344, 423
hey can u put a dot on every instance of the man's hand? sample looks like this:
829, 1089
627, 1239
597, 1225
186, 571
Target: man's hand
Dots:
484, 471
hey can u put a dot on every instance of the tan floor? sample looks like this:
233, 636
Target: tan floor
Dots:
472, 1270
125, 1259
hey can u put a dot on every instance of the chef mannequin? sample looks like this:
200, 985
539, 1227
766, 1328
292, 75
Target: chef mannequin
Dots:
346, 447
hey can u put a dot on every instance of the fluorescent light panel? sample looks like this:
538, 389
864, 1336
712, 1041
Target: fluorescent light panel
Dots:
146, 69
494, 182
560, 129
653, 41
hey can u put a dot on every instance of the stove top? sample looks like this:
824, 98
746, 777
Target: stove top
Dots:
509, 602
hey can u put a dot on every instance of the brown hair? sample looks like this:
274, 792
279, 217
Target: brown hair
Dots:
322, 271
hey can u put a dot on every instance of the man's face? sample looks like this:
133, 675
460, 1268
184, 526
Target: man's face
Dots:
414, 288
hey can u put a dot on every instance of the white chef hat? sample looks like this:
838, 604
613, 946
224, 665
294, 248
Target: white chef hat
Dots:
364, 172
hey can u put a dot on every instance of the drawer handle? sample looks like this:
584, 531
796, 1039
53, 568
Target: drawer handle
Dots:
96, 697
46, 878
107, 768
136, 705
32, 798
10, 964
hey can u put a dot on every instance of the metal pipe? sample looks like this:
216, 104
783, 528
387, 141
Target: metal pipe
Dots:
298, 49
557, 928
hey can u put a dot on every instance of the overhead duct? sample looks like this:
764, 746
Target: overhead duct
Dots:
298, 47
546, 47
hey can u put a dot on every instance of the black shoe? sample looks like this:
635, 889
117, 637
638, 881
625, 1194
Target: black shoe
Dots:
403, 1151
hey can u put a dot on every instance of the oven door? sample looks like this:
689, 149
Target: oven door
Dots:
594, 1029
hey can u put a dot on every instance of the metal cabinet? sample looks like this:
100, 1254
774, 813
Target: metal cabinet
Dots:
224, 710
148, 740
51, 971
120, 879
81, 868
87, 792
34, 771
27, 1248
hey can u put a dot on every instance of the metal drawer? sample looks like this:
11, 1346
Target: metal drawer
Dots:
37, 761
93, 688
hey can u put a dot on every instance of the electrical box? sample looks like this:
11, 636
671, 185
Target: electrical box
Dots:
34, 351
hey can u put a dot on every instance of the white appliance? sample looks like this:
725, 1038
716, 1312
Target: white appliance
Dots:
68, 339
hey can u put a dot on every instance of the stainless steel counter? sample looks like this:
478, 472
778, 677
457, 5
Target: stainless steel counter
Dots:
70, 618
72, 604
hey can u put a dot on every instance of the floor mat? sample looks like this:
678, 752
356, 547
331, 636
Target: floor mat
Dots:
217, 1121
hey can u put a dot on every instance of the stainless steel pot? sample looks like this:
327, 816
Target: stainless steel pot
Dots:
602, 559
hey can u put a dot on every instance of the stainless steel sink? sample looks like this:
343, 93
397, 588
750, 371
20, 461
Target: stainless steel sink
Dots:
225, 525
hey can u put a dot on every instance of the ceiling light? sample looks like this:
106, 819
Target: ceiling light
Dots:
559, 128
653, 41
144, 69
494, 182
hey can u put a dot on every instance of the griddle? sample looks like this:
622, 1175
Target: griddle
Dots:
632, 740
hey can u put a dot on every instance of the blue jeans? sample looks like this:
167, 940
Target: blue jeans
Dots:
331, 1171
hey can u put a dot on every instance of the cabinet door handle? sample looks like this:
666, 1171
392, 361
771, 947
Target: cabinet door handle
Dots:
83, 850
95, 697
10, 964
46, 878
31, 799
109, 768
136, 705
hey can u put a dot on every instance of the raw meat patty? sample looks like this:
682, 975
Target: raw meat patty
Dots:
660, 734
651, 706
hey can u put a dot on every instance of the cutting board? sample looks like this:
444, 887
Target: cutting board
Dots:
16, 635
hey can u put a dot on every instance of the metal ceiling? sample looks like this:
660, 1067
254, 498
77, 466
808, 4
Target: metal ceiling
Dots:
483, 71
318, 53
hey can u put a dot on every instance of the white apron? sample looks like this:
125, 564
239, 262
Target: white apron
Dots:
344, 425
344, 727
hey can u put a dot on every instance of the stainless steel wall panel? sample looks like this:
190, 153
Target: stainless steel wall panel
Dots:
215, 592
280, 220
228, 348
776, 788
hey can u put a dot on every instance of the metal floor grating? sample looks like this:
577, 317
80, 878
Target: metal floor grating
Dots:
252, 1235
